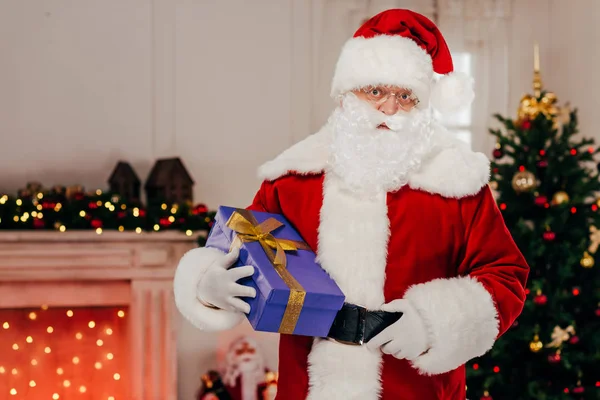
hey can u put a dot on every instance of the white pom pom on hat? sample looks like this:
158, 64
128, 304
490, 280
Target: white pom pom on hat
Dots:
403, 48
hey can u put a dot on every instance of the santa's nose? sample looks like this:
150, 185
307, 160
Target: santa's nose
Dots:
389, 106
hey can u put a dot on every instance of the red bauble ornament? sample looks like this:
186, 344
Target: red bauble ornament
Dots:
46, 205
96, 223
579, 389
526, 125
121, 214
549, 236
164, 222
542, 163
540, 200
540, 299
92, 205
554, 358
598, 312
498, 153
574, 340
202, 209
181, 220
79, 196
38, 223
142, 212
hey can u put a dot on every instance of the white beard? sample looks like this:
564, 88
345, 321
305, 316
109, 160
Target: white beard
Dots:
371, 160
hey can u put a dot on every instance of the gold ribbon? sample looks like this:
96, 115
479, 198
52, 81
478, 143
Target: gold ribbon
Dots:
248, 230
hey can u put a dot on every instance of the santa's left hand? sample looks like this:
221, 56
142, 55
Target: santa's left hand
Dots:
406, 338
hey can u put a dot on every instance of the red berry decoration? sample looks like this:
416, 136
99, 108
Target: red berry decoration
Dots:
96, 223
574, 340
540, 299
554, 358
526, 125
549, 236
540, 200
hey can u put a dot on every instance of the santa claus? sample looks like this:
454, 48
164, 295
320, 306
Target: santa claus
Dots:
399, 214
245, 373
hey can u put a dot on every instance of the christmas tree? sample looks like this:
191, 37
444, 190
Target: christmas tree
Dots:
546, 183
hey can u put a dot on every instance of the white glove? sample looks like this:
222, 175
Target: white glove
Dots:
405, 338
219, 288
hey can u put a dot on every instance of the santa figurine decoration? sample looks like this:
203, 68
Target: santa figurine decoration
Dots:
399, 214
245, 372
213, 388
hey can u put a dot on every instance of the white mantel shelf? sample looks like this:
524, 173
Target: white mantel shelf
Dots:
84, 269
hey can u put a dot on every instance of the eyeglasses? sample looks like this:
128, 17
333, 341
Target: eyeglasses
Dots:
378, 95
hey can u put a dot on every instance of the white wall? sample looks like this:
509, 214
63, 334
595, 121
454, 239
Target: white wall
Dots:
225, 85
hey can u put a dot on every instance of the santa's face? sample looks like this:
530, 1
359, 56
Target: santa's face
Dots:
389, 100
379, 138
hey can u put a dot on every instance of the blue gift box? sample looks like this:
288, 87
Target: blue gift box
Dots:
294, 294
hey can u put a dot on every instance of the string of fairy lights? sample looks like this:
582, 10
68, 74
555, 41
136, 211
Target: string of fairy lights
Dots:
44, 338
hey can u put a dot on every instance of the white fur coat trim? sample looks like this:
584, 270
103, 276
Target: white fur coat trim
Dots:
461, 320
190, 270
353, 238
451, 169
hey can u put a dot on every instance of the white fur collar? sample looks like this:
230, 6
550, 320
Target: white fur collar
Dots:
451, 169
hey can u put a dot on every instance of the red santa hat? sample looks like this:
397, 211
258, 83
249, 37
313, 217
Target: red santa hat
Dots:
403, 48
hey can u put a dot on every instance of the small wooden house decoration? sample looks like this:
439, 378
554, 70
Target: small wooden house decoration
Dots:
125, 182
169, 181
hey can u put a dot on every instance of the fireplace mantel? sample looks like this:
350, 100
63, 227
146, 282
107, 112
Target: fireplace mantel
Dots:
83, 269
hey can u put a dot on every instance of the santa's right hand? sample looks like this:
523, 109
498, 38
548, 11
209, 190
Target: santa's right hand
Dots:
219, 288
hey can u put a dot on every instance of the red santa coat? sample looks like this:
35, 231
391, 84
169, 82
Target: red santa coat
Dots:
439, 242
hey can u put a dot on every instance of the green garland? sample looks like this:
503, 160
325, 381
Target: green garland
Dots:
99, 211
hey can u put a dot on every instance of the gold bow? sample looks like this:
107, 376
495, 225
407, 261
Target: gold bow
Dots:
560, 335
530, 107
248, 230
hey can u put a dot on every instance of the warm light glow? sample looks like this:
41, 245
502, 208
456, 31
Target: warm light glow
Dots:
98, 365
117, 377
171, 219
91, 324
111, 398
138, 230
136, 212
5, 325
107, 204
75, 360
16, 218
156, 227
34, 362
121, 313
14, 371
13, 391
15, 346
2, 370
99, 342
78, 336
110, 356
121, 228
82, 389
69, 313
40, 195
82, 213
19, 202
29, 339
123, 207
31, 383
55, 396
67, 383
111, 208
50, 329
99, 231
57, 207
62, 228
39, 207
40, 215
60, 371
32, 316
44, 307
188, 232
163, 206
47, 350
98, 192
109, 331
34, 214
173, 210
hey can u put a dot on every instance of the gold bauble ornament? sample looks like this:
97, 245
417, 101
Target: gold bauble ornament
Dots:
523, 181
494, 185
587, 261
560, 198
536, 345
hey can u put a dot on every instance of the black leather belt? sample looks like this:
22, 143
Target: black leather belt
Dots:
355, 325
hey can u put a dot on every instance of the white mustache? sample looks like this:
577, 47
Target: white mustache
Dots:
370, 118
